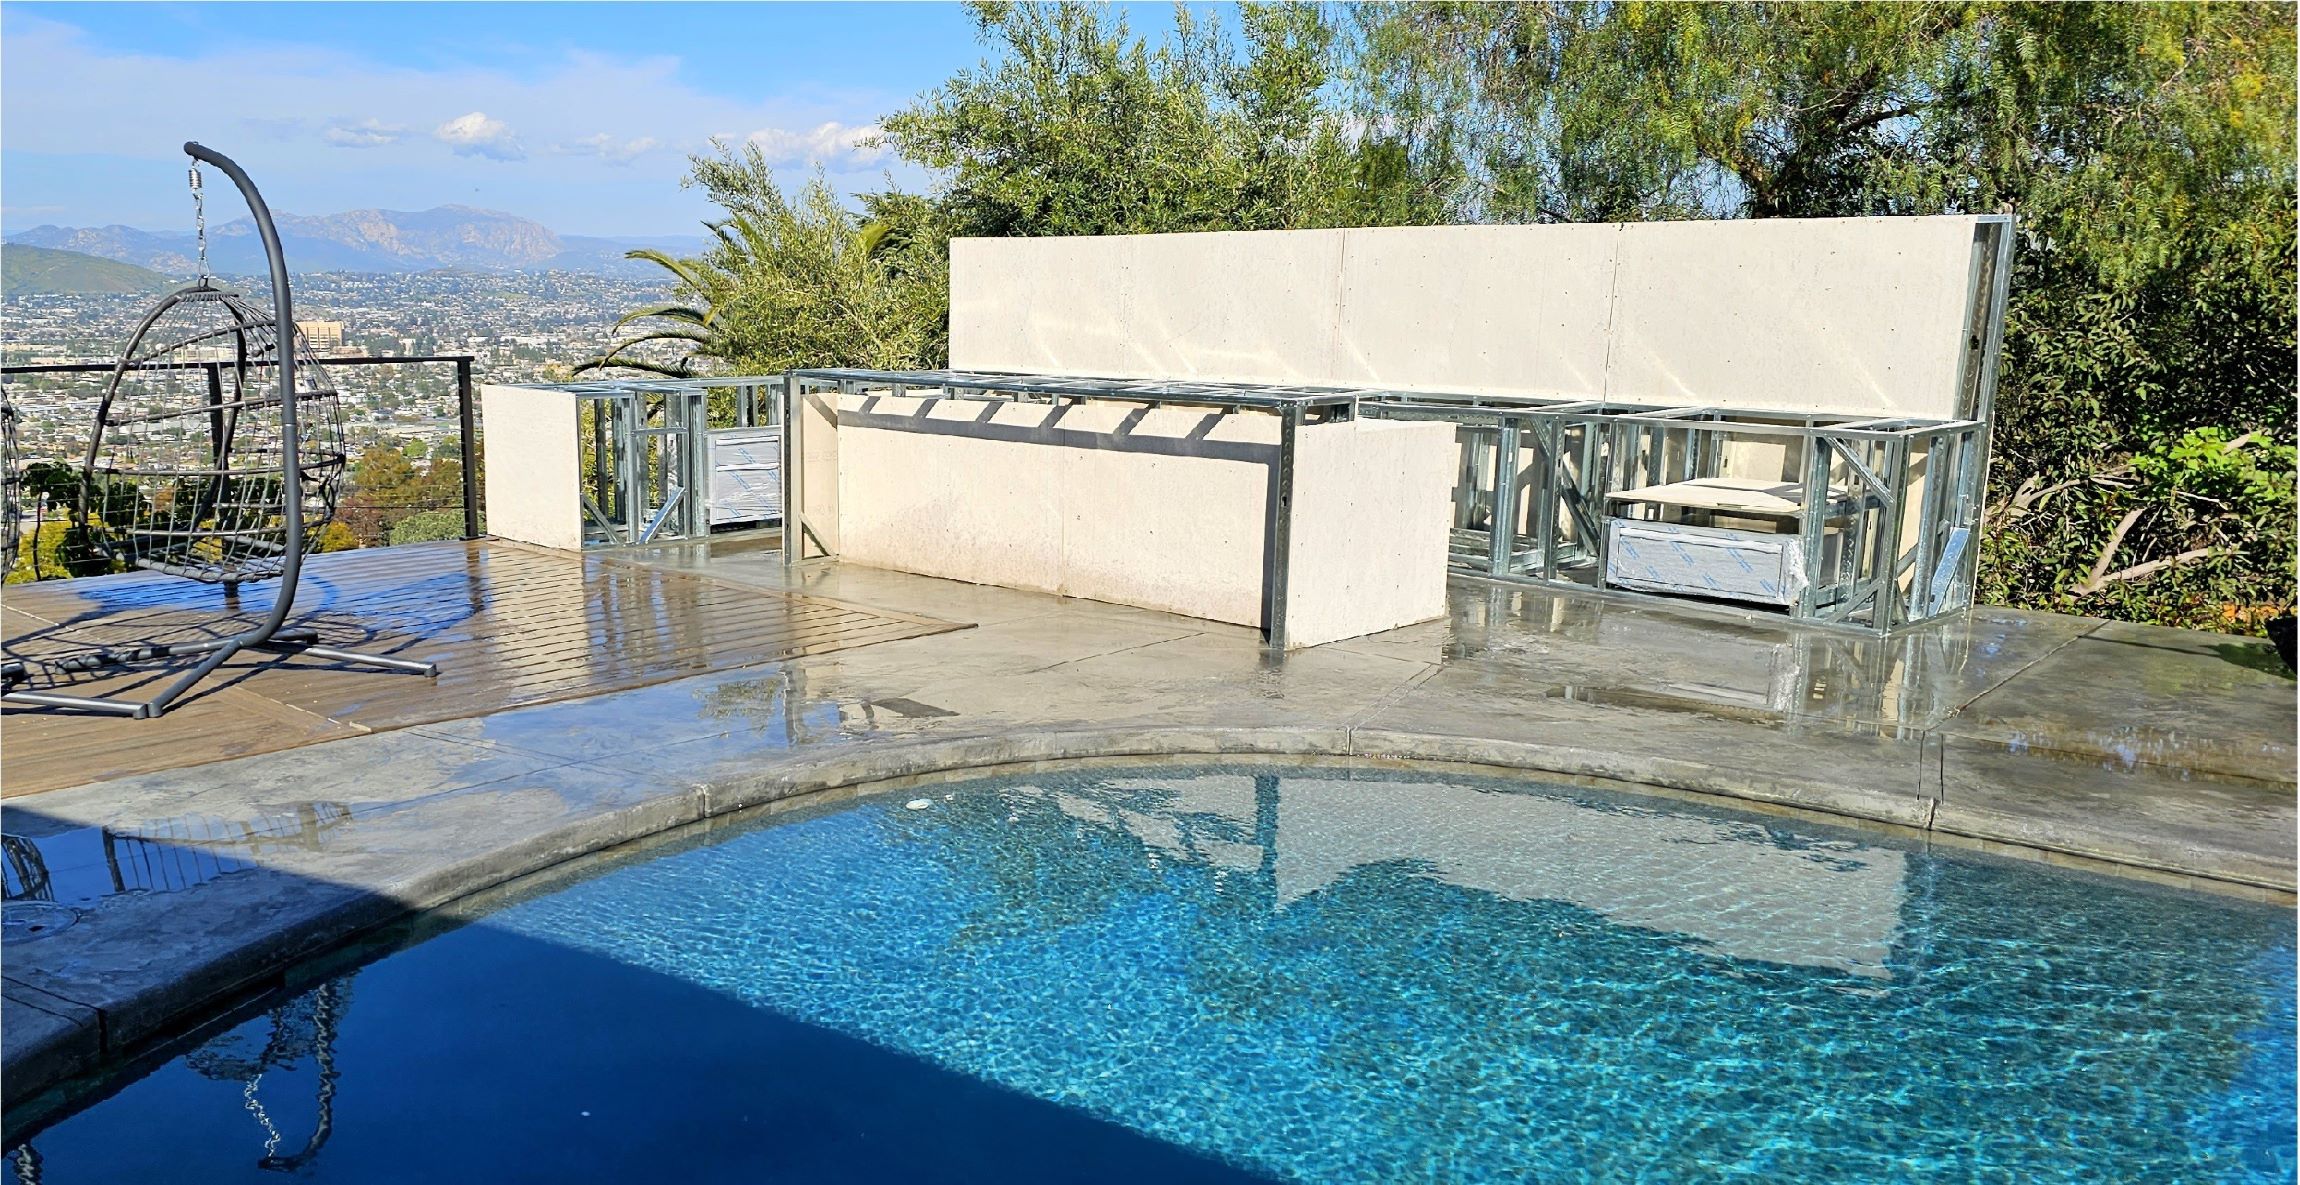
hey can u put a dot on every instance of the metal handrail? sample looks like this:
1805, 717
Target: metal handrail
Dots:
467, 424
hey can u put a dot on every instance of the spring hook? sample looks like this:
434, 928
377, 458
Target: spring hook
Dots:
200, 222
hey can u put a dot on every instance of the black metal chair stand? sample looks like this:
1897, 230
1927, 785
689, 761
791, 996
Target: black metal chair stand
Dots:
222, 475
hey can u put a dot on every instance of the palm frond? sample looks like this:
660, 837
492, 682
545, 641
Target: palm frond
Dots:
757, 243
685, 269
671, 312
669, 370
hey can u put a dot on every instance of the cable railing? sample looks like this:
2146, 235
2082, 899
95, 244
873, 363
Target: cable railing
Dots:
357, 503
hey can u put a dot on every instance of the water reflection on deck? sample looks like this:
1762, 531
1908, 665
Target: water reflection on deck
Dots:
509, 625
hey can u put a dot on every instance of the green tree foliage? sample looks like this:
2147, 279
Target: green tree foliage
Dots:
428, 526
1080, 127
336, 536
64, 543
2145, 434
1581, 112
55, 551
795, 280
386, 487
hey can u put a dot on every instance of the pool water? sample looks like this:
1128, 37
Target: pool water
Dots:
1239, 974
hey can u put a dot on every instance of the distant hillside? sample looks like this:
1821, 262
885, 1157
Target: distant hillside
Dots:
366, 241
29, 270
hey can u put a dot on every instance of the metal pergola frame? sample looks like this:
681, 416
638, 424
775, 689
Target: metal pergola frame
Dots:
1293, 405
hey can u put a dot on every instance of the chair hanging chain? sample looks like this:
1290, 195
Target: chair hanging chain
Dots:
200, 221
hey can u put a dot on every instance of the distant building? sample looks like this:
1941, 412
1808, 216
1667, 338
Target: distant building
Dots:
324, 337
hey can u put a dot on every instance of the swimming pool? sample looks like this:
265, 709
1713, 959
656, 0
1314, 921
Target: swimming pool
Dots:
1240, 973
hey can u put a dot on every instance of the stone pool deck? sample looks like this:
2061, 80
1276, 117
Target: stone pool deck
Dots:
167, 895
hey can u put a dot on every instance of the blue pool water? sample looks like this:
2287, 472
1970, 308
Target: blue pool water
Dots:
1231, 974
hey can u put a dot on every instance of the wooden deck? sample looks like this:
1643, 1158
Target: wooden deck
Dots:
509, 625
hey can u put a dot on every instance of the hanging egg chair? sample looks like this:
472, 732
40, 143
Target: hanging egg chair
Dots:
188, 473
11, 486
302, 1028
216, 455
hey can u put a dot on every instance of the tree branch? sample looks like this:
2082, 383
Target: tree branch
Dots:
2150, 568
2099, 576
1877, 117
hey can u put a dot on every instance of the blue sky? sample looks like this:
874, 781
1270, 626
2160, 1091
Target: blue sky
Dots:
580, 116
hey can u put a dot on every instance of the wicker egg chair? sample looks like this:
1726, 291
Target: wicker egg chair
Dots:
217, 455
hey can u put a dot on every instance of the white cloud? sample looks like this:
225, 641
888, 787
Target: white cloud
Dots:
835, 146
367, 133
477, 135
67, 96
608, 148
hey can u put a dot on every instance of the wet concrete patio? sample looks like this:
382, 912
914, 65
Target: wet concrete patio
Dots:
163, 895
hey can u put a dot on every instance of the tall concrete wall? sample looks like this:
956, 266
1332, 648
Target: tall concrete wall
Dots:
1165, 508
1854, 315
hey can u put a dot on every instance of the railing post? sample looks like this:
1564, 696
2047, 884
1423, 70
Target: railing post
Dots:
1279, 532
468, 430
787, 412
1503, 512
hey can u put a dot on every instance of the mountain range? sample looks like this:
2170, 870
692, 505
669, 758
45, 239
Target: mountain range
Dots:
463, 237
28, 269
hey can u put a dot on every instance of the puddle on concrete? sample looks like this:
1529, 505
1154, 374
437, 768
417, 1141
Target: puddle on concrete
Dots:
50, 868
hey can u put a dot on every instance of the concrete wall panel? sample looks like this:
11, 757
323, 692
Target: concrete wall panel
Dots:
1156, 518
533, 489
1069, 316
923, 486
1245, 306
1255, 307
1165, 508
1368, 538
814, 508
1857, 315
1862, 315
1486, 309
1161, 508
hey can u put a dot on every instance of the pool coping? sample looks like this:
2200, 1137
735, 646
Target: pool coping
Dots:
57, 1041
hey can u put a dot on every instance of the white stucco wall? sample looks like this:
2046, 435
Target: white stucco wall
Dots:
1369, 528
533, 489
1855, 315
1164, 508
1863, 315
811, 491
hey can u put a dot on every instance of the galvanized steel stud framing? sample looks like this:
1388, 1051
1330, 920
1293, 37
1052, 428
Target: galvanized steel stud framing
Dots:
647, 469
1900, 496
